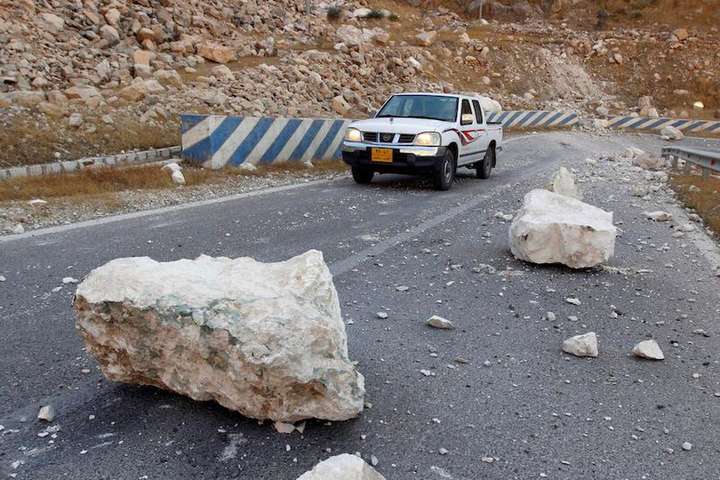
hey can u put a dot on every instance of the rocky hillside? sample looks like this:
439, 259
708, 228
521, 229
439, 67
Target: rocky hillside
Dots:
100, 76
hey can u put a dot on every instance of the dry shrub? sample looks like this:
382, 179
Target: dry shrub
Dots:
705, 201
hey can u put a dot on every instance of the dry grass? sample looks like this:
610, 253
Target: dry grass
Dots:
94, 182
34, 138
705, 201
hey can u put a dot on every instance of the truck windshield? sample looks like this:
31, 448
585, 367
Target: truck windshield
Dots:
433, 107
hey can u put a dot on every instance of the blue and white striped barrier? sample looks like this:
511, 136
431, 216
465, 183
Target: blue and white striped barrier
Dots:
647, 123
534, 119
215, 141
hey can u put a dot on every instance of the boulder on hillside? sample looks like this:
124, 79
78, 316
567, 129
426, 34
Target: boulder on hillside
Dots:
216, 53
554, 228
265, 339
342, 467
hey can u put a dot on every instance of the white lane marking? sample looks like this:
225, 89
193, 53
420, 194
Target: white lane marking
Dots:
157, 211
343, 266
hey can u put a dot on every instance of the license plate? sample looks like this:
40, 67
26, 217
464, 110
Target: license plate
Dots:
382, 155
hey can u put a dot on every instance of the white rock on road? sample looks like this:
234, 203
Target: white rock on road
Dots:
437, 321
658, 216
46, 413
584, 345
564, 183
553, 228
672, 133
648, 349
342, 467
265, 339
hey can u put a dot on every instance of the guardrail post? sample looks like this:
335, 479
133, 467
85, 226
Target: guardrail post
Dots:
674, 161
705, 172
686, 167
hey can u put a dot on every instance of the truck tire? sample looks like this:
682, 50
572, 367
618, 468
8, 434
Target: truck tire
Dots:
445, 175
484, 169
362, 176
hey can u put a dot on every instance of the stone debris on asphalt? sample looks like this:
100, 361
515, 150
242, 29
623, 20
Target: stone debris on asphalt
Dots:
584, 345
648, 349
439, 322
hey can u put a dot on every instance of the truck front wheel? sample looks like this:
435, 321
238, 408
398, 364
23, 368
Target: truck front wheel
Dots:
445, 174
362, 176
484, 169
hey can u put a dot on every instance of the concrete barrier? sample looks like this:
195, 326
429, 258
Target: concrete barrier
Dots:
648, 123
66, 166
215, 141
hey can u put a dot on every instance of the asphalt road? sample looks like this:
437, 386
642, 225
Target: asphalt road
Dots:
514, 407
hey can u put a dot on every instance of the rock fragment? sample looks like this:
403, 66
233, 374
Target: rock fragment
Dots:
672, 133
648, 349
563, 182
342, 467
46, 413
265, 339
658, 216
439, 322
554, 228
584, 345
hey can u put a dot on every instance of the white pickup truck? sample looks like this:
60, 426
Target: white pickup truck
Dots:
423, 133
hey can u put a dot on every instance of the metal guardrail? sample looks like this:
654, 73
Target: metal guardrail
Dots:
705, 159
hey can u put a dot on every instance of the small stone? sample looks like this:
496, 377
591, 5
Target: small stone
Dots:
439, 322
68, 280
443, 451
46, 413
2, 278
573, 301
381, 315
584, 345
17, 229
550, 316
345, 467
687, 446
658, 216
282, 427
648, 349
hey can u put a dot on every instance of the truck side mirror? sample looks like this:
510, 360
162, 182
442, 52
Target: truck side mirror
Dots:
466, 119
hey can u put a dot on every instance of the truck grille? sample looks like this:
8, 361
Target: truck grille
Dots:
370, 136
379, 137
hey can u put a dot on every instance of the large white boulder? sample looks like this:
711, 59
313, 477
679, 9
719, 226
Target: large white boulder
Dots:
342, 467
265, 339
563, 182
554, 228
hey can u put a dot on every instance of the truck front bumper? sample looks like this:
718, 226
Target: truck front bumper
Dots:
405, 158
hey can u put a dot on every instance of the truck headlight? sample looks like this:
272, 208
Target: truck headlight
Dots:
428, 139
353, 135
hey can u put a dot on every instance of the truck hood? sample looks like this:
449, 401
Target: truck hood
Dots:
400, 125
